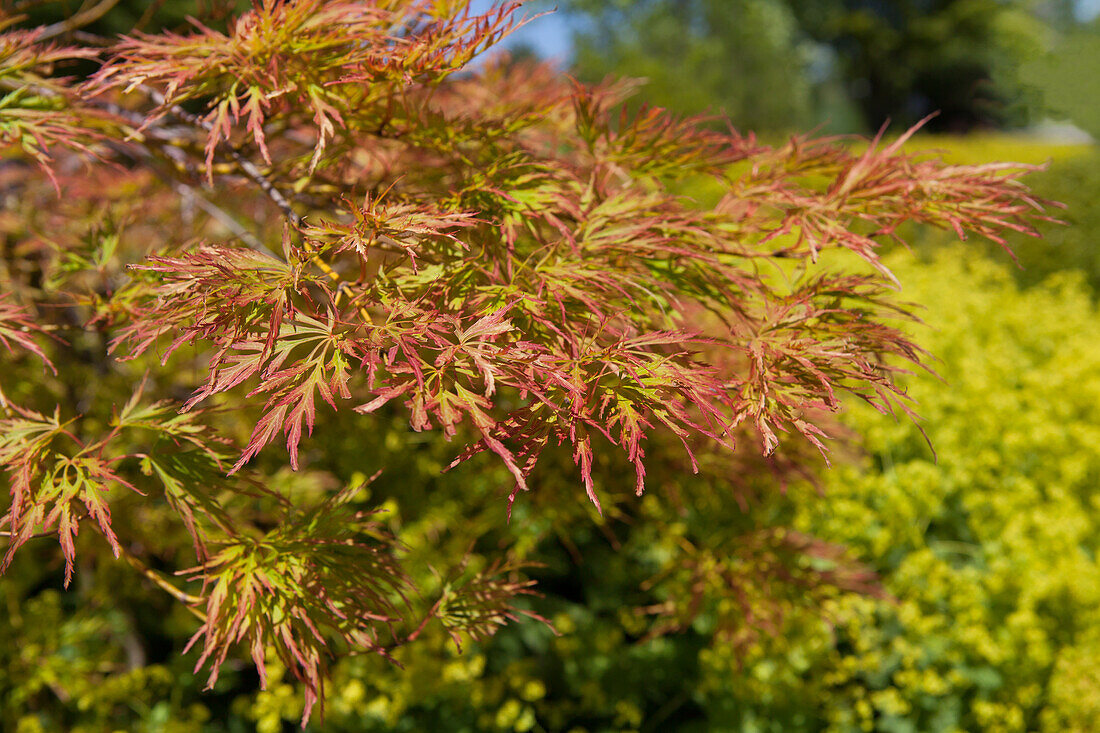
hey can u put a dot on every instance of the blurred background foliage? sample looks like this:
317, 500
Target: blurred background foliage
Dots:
988, 616
849, 65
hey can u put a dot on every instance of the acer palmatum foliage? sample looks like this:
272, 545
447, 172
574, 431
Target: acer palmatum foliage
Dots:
328, 204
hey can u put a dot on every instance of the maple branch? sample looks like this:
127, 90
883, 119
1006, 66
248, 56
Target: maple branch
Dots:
157, 132
189, 193
257, 176
247, 166
143, 127
82, 18
182, 596
36, 536
222, 216
138, 565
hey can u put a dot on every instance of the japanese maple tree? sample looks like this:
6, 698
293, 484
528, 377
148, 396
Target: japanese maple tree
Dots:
328, 203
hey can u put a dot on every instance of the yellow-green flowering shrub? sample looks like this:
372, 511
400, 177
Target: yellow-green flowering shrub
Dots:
989, 550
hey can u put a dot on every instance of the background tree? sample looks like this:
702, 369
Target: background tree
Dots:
904, 59
771, 64
746, 59
1054, 78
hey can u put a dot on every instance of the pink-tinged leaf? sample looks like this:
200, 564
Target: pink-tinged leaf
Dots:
491, 325
582, 456
265, 431
383, 397
16, 327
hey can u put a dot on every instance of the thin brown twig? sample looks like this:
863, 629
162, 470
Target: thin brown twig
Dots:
182, 596
188, 192
255, 174
189, 601
141, 567
79, 20
36, 536
150, 11
143, 128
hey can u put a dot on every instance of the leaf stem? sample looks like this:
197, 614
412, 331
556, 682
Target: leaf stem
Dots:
190, 601
255, 174
79, 20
